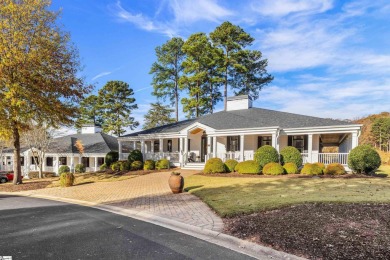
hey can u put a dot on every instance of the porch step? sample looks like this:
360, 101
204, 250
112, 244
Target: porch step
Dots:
193, 166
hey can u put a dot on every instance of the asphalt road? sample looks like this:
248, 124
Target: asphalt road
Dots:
42, 229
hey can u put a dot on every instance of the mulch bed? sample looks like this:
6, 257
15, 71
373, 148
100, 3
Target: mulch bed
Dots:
320, 231
34, 185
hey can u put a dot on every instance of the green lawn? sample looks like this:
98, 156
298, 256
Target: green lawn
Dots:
232, 196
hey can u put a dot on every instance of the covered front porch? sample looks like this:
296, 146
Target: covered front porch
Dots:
197, 143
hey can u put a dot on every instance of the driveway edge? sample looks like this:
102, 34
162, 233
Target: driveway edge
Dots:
218, 238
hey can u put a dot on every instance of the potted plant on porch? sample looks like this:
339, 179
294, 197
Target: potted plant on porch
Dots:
176, 182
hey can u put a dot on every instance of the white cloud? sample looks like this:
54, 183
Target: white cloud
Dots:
106, 73
143, 22
286, 7
187, 11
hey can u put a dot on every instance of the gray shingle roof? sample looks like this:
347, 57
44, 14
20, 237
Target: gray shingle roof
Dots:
247, 118
92, 143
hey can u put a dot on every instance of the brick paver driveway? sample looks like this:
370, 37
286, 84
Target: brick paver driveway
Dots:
149, 193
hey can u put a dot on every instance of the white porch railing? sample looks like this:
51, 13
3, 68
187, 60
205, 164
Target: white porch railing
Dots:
305, 158
172, 157
328, 158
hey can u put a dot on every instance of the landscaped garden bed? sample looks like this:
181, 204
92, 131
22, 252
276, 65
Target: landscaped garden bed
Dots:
320, 217
319, 231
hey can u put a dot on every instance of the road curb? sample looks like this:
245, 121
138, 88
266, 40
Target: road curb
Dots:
218, 238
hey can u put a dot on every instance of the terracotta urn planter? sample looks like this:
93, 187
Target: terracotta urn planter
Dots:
176, 182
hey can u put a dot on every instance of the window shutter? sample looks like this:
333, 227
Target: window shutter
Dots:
228, 144
305, 142
290, 140
259, 142
238, 143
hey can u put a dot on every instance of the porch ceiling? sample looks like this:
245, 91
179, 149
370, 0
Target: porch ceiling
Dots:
332, 138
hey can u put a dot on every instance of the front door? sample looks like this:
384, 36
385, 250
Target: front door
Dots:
203, 149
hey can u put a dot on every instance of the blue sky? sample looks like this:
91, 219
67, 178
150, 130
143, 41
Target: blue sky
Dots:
329, 58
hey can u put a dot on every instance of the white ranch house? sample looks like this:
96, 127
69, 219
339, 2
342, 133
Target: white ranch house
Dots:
238, 132
62, 151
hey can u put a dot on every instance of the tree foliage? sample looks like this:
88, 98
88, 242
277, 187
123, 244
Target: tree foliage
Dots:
158, 115
381, 133
201, 78
38, 71
89, 112
167, 71
116, 103
242, 69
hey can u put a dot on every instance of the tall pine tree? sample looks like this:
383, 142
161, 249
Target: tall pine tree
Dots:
167, 71
242, 69
116, 103
201, 77
158, 115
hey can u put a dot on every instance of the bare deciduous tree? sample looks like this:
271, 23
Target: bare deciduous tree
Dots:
38, 139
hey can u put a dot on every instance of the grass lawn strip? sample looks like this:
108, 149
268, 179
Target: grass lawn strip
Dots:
317, 218
236, 196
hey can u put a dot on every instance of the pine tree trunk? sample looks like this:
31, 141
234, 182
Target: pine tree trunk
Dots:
16, 143
225, 92
177, 104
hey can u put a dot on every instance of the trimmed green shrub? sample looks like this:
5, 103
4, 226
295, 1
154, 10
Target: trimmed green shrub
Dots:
364, 159
321, 165
230, 165
214, 165
111, 157
124, 165
79, 168
290, 168
273, 169
162, 164
135, 155
116, 166
136, 165
290, 154
248, 167
66, 179
103, 167
63, 168
334, 169
311, 169
149, 165
266, 154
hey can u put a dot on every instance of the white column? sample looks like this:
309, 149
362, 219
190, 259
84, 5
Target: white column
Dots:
355, 140
96, 163
57, 165
120, 149
215, 146
161, 143
134, 145
275, 141
315, 148
208, 145
310, 147
181, 152
242, 142
142, 146
26, 164
186, 148
72, 163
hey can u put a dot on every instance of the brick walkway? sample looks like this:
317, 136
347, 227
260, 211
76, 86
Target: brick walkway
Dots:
149, 193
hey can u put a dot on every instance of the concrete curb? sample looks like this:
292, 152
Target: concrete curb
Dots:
218, 238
